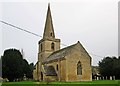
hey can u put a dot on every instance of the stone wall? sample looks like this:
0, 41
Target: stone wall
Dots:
50, 78
35, 72
71, 64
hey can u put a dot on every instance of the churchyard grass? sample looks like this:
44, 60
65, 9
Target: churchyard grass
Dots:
85, 83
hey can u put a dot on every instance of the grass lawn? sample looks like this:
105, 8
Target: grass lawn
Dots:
88, 83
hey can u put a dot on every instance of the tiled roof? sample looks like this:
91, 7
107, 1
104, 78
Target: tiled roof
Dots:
60, 54
50, 71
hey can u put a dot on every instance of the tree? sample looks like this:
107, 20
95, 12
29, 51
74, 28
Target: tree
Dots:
116, 68
28, 69
106, 66
13, 65
11, 61
31, 70
110, 66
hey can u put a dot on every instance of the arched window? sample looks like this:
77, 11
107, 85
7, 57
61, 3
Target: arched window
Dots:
79, 68
41, 76
57, 67
52, 46
41, 47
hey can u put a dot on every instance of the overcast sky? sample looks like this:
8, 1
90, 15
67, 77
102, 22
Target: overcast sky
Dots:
92, 22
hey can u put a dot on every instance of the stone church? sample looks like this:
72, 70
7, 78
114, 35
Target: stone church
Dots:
71, 63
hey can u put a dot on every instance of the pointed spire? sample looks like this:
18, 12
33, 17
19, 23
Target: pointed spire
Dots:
48, 30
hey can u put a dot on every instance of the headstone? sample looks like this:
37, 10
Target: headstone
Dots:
110, 77
97, 78
113, 77
102, 77
24, 77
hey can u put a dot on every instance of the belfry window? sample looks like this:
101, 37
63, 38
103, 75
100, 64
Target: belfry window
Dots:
52, 46
50, 34
79, 68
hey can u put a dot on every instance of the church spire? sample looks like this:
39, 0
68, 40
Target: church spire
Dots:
48, 30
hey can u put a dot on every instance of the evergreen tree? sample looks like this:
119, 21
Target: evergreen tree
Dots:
110, 66
13, 65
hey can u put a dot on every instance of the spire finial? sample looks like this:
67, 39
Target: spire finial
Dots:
49, 8
49, 4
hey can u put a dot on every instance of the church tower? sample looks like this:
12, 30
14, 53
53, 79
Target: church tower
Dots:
48, 44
